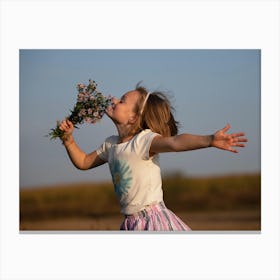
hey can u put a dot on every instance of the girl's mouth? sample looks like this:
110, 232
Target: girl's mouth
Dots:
110, 109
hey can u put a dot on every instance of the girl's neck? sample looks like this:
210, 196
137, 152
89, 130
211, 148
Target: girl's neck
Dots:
124, 133
125, 138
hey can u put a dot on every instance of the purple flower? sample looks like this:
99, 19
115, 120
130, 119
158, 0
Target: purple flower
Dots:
90, 107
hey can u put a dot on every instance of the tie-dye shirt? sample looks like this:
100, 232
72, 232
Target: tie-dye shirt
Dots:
136, 175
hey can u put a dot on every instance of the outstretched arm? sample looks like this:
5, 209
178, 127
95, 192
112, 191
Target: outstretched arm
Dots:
187, 142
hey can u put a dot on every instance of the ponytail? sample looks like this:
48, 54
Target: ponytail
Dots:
156, 114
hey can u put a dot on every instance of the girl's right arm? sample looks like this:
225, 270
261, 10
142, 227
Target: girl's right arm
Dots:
79, 158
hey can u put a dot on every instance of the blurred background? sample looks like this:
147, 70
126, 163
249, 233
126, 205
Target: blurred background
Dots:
209, 189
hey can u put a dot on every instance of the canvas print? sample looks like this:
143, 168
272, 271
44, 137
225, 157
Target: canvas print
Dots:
158, 140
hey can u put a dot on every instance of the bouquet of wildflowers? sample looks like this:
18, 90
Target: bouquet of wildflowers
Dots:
90, 107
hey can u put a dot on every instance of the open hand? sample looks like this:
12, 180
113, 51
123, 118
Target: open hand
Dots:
224, 141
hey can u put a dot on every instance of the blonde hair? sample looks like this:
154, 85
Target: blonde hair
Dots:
156, 114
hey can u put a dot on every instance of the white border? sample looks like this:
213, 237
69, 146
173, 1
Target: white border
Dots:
140, 24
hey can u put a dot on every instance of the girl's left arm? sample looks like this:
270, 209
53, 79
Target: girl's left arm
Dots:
187, 142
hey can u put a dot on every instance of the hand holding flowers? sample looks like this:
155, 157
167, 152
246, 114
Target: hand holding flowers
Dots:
67, 128
90, 108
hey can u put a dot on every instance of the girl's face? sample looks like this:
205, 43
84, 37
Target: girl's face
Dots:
123, 110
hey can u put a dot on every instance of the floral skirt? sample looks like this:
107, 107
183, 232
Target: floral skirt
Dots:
155, 218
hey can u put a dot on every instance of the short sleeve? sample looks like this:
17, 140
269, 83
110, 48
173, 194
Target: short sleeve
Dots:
143, 143
103, 150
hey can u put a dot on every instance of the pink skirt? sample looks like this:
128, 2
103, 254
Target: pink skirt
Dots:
155, 218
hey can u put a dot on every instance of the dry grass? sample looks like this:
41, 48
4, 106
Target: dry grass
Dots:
228, 220
219, 203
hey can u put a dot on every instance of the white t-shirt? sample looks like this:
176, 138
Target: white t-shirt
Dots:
136, 175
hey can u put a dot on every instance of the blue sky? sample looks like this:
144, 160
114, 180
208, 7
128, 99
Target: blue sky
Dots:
208, 89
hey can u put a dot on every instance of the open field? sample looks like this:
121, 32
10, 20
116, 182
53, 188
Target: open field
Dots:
229, 220
217, 203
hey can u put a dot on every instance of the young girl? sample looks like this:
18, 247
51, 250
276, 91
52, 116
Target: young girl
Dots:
146, 128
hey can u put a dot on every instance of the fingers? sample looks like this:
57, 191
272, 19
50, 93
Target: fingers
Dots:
238, 145
66, 125
235, 136
231, 148
70, 124
238, 134
226, 128
238, 142
63, 126
243, 140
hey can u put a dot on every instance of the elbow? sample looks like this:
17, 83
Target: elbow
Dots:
83, 167
80, 166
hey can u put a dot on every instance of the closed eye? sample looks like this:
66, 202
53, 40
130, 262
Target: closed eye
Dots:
122, 100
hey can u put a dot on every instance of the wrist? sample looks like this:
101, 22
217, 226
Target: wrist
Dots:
67, 140
210, 141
